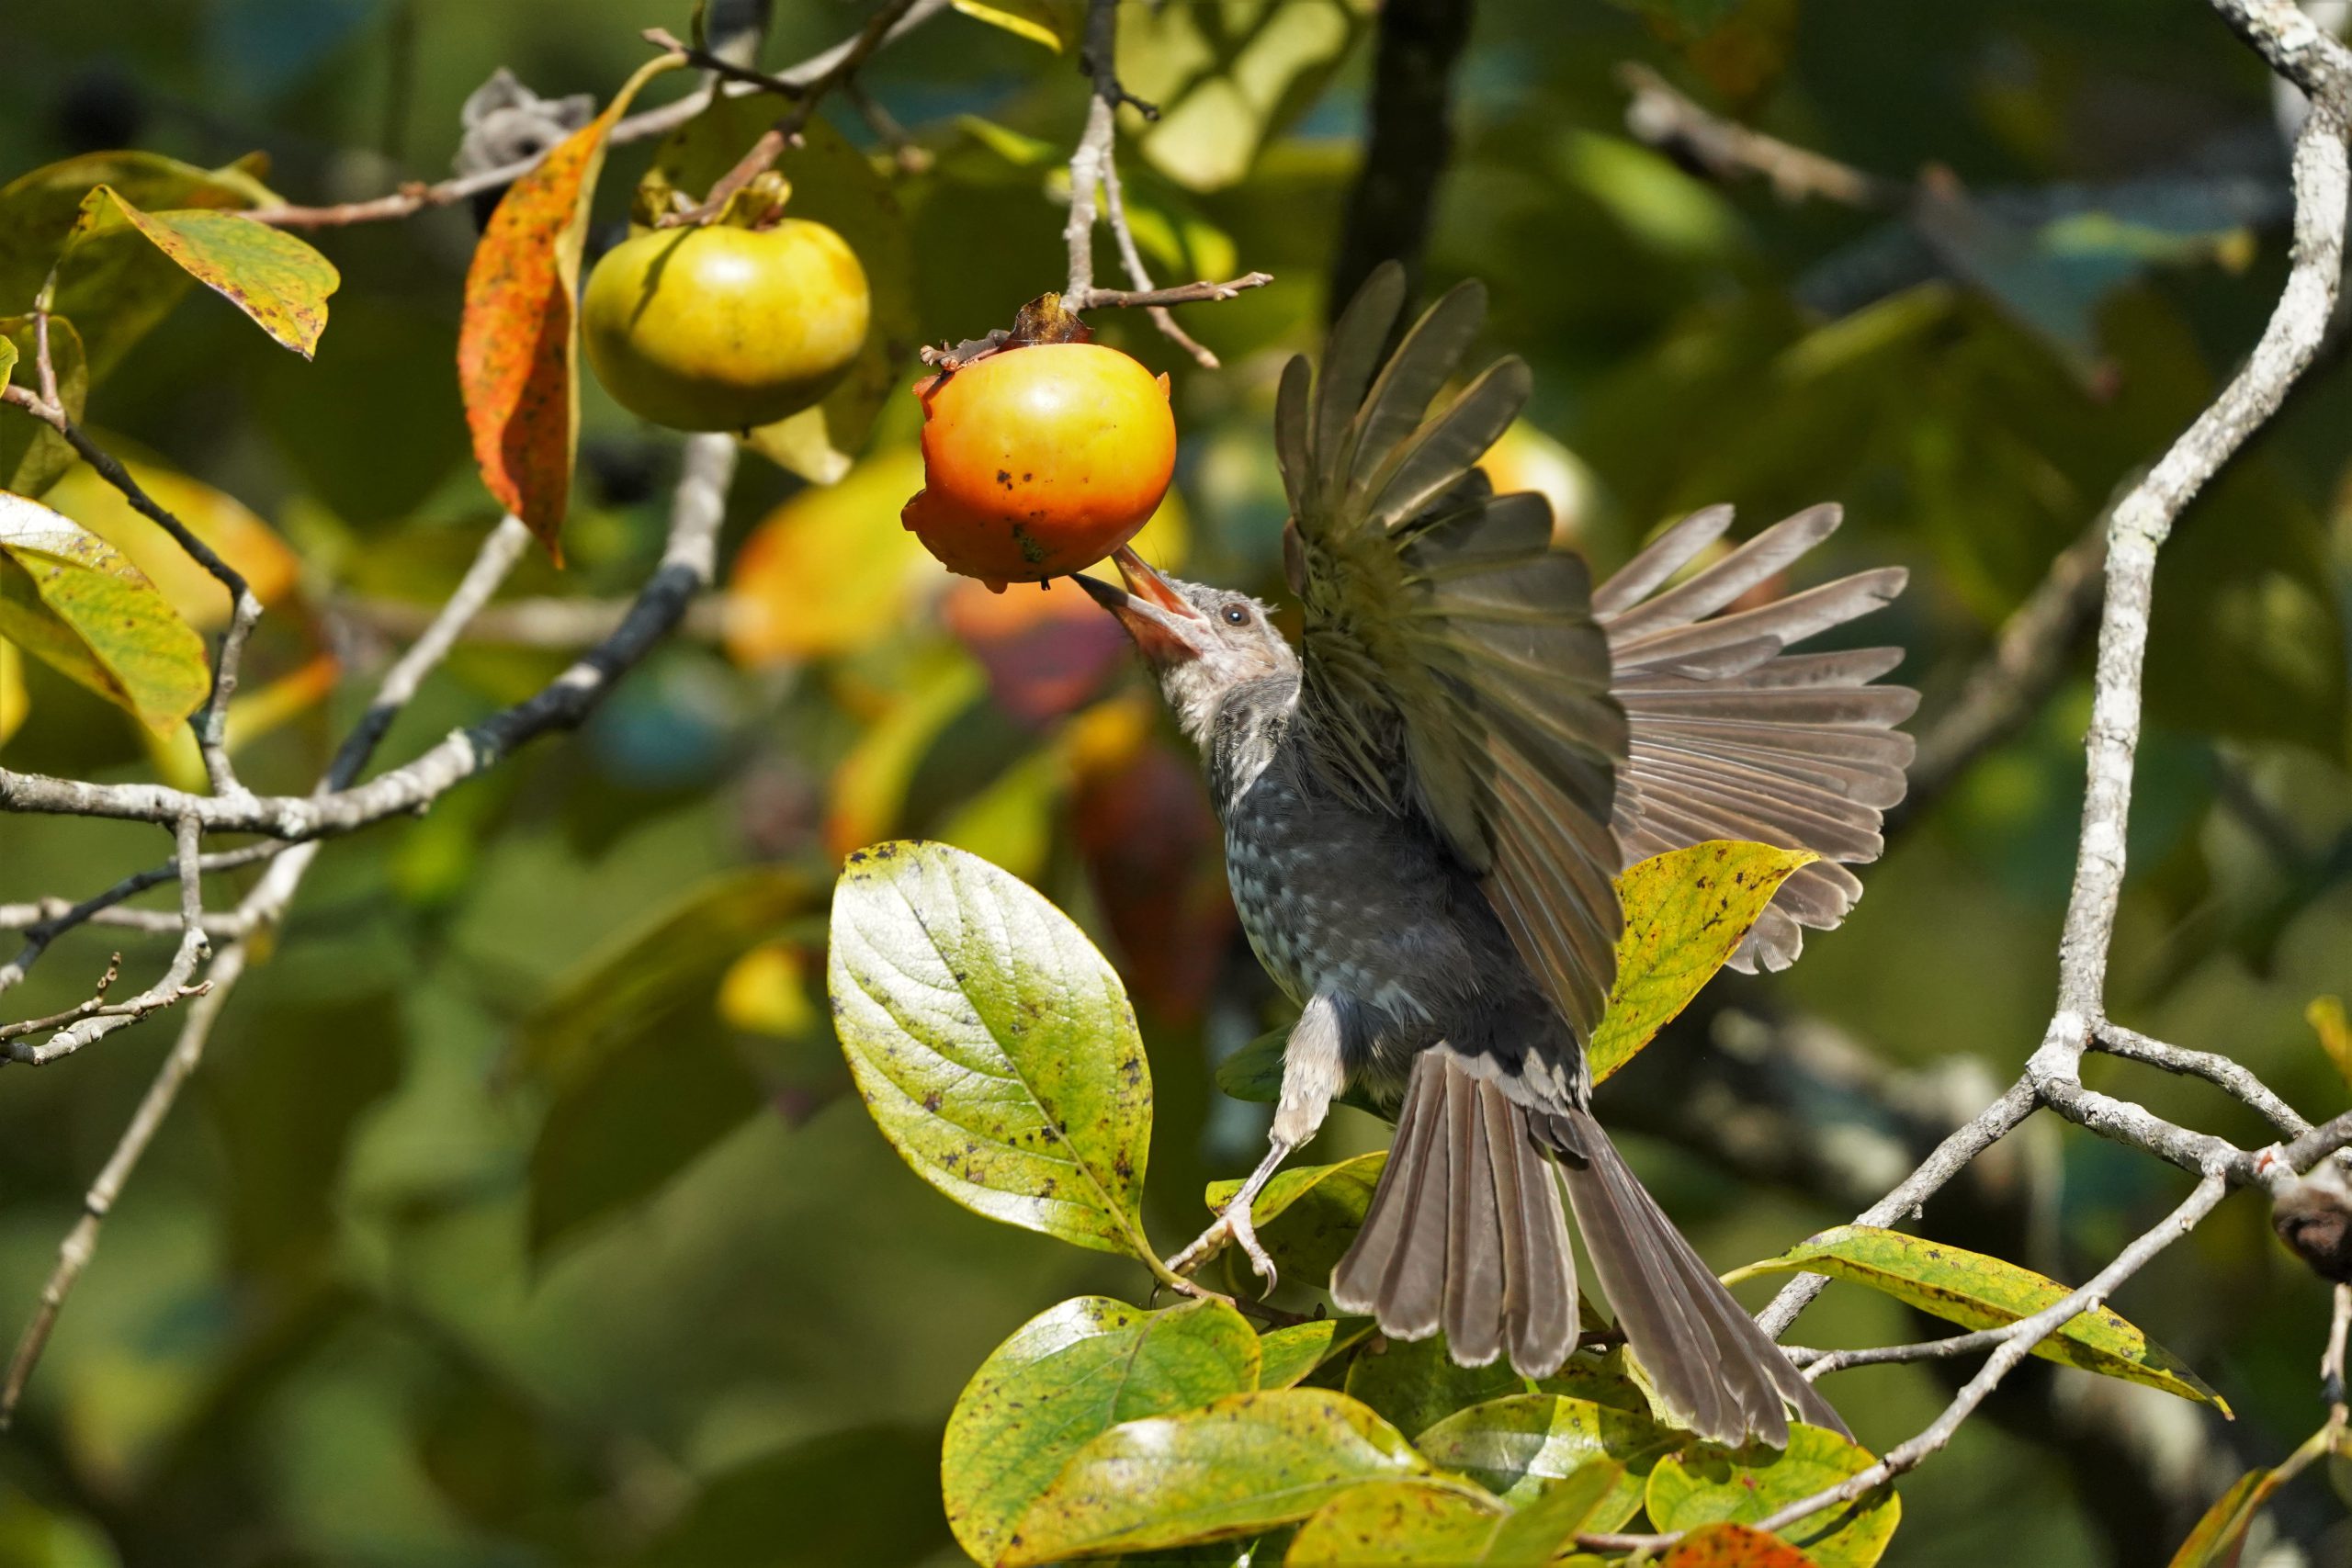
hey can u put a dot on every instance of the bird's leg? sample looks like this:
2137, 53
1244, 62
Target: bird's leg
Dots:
1314, 1071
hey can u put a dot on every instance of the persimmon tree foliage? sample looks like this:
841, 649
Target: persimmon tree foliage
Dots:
333, 502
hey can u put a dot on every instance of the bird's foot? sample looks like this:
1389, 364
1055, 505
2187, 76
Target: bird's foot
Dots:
1233, 1225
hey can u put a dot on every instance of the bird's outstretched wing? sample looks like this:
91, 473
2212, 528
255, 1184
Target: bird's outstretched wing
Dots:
1734, 738
1452, 665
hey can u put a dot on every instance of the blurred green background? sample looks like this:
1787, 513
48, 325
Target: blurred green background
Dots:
518, 1217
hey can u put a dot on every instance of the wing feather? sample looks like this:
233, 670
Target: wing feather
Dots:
1731, 737
1451, 664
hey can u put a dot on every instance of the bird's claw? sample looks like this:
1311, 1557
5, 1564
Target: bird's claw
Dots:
1233, 1225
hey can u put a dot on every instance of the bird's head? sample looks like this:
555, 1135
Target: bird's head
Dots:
1200, 642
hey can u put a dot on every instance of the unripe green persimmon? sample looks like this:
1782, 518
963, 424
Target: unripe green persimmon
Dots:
716, 327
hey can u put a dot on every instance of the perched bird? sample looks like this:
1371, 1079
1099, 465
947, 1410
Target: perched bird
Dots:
1425, 807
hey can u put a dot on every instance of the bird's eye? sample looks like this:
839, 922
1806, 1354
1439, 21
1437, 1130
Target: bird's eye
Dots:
1237, 614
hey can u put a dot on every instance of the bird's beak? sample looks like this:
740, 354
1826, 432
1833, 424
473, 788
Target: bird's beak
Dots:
1165, 626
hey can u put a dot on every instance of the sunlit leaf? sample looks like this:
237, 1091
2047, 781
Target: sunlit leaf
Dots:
1071, 1374
1227, 78
32, 454
1708, 1485
518, 346
16, 704
116, 285
279, 281
2325, 1015
252, 546
992, 1044
1513, 1445
835, 184
1244, 1462
1976, 1291
1289, 1355
1416, 1524
1686, 912
1054, 23
72, 600
830, 570
868, 796
1308, 1215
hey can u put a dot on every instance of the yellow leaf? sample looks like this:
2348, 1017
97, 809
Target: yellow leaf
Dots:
2326, 1016
268, 565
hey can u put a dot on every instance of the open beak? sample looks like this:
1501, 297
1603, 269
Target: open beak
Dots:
1164, 624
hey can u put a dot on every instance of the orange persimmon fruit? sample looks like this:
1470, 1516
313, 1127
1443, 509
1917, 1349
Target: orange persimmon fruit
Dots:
1040, 460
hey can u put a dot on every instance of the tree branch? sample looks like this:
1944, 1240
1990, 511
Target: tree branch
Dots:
643, 126
686, 569
1408, 142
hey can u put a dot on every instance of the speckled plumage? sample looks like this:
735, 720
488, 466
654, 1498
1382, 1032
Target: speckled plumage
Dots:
1369, 907
1423, 811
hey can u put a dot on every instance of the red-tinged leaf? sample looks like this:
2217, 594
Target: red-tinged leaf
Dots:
272, 277
1733, 1546
1047, 649
518, 346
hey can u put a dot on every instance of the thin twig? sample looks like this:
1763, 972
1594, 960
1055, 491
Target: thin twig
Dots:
701, 497
1664, 117
2218, 1070
97, 1022
785, 133
52, 918
1094, 298
80, 1243
1114, 206
643, 126
686, 572
2017, 1342
211, 723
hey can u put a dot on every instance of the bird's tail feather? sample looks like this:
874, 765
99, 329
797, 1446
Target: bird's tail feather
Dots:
1465, 1233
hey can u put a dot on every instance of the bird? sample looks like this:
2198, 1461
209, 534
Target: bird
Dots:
1425, 801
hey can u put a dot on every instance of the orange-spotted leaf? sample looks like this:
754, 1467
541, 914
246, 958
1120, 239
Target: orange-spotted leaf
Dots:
1733, 1546
272, 277
518, 344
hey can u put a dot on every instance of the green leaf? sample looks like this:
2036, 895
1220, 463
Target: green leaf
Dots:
1412, 1523
1400, 1522
1415, 1385
992, 1044
1054, 23
1230, 78
72, 600
1513, 1445
1308, 1215
1711, 1485
2325, 1015
7, 362
1244, 1462
1976, 1291
1291, 1354
1686, 912
1255, 1073
1067, 1376
835, 184
643, 1075
32, 454
118, 286
866, 1496
272, 277
632, 984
